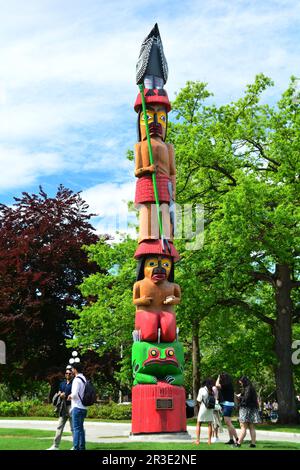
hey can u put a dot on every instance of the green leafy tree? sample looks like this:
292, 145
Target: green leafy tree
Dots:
241, 161
105, 324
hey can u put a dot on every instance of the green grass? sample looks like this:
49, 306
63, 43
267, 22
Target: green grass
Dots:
28, 439
263, 445
44, 418
260, 427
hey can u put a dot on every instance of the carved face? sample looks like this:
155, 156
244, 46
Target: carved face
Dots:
157, 121
157, 268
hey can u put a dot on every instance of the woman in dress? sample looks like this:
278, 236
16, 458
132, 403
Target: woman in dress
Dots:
249, 411
205, 415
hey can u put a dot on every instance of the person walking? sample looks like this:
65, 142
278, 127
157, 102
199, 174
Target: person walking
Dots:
63, 405
205, 414
249, 411
217, 422
78, 410
226, 392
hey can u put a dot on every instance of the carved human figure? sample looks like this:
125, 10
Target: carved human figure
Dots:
163, 166
155, 295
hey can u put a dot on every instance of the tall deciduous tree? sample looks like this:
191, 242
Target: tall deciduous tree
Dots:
105, 324
242, 162
41, 265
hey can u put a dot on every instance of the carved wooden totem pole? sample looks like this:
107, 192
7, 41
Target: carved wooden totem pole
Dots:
158, 397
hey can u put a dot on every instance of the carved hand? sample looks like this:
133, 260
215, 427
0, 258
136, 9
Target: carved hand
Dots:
145, 300
169, 300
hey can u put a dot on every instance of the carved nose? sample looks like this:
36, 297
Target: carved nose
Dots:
155, 119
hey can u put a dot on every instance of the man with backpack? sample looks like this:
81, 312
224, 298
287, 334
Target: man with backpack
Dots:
63, 407
78, 409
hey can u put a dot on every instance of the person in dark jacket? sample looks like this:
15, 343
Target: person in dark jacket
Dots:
249, 411
63, 407
226, 399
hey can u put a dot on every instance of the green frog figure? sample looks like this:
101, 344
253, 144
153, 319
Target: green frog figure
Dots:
152, 362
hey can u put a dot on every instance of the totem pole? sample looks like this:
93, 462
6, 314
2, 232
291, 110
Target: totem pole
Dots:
158, 397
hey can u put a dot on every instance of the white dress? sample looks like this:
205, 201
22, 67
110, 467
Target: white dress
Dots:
205, 415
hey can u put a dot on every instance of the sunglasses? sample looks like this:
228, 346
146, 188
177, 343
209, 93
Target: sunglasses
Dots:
68, 373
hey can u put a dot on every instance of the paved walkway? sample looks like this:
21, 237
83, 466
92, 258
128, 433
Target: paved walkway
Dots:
119, 432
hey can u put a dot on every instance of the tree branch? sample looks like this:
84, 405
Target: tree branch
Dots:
259, 147
222, 170
241, 303
262, 277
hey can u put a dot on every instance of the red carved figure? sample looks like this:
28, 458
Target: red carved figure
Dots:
155, 296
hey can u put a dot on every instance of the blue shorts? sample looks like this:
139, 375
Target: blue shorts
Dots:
227, 410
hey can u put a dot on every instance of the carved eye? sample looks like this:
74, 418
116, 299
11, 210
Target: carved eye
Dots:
163, 118
154, 352
166, 264
170, 353
149, 117
152, 263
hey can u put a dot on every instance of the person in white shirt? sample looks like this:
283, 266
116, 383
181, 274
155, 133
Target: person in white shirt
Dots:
78, 410
205, 415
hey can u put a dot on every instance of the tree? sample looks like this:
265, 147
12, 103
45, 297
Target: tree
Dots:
105, 324
242, 162
41, 264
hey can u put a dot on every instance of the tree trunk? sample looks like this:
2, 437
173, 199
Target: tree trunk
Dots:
196, 358
283, 347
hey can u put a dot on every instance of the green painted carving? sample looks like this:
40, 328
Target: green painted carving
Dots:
153, 362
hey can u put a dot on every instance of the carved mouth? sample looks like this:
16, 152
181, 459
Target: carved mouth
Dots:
155, 129
150, 361
158, 277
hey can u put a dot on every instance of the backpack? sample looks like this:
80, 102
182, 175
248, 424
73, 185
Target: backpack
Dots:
209, 402
89, 394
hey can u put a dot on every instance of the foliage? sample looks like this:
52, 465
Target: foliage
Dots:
5, 393
241, 161
35, 408
41, 264
240, 292
106, 323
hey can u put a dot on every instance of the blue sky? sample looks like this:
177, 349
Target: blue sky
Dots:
67, 81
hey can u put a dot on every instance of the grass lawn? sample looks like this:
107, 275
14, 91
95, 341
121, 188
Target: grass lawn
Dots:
29, 439
25, 439
259, 427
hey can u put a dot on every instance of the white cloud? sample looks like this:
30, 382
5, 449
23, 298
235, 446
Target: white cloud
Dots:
109, 201
19, 169
71, 64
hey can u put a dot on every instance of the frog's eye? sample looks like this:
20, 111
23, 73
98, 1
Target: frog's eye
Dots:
170, 353
154, 352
